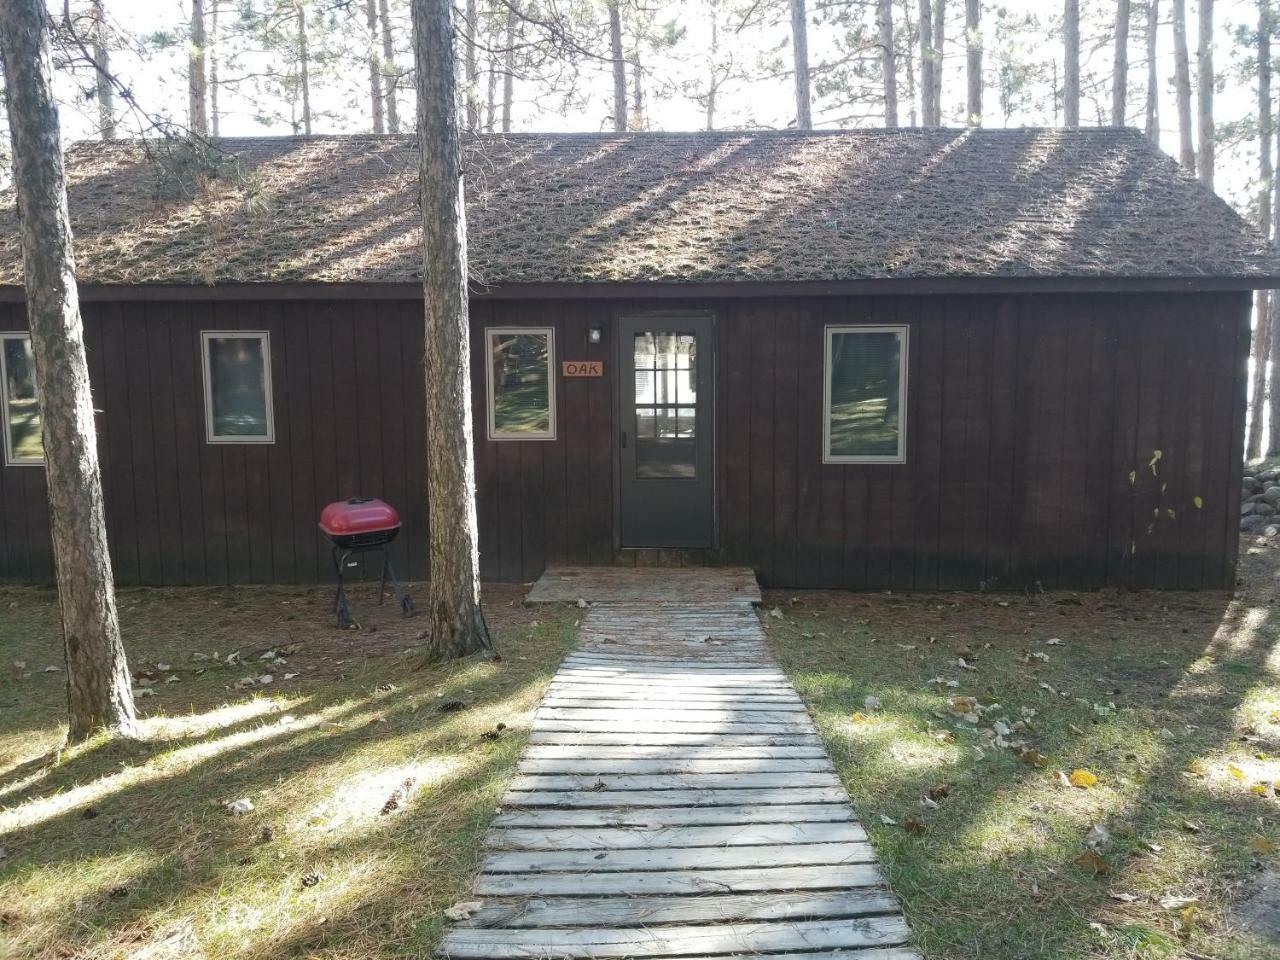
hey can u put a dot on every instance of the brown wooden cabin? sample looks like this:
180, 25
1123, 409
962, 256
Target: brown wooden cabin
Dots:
876, 359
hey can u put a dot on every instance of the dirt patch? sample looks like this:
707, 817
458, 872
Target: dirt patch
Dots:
1259, 912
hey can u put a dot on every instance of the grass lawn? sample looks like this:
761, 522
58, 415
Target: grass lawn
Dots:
362, 778
1171, 700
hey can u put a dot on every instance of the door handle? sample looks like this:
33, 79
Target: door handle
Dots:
624, 439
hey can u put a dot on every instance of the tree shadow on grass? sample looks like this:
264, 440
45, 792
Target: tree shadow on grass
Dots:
160, 850
995, 873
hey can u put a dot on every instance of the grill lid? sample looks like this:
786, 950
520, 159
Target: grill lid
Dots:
342, 518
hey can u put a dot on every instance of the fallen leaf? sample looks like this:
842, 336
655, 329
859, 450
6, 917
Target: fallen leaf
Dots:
912, 825
1236, 771
1123, 897
1177, 903
1083, 779
859, 717
1098, 837
463, 909
1094, 862
238, 808
1191, 827
888, 821
1261, 845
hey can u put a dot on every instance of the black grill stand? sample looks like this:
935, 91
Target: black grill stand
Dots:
342, 553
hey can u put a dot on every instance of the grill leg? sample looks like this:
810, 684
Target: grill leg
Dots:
340, 606
405, 601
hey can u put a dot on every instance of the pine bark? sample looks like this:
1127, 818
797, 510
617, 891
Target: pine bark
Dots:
637, 92
1266, 174
909, 67
457, 622
973, 45
304, 65
928, 64
1182, 85
1205, 80
619, 68
1153, 73
888, 61
197, 91
1071, 63
509, 69
375, 68
214, 119
471, 66
99, 694
940, 49
102, 86
1120, 66
800, 54
389, 78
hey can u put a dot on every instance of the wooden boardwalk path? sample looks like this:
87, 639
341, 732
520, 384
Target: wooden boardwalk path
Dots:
674, 801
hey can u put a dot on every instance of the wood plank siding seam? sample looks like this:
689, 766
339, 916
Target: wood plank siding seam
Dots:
644, 823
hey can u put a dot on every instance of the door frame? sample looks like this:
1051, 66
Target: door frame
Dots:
615, 330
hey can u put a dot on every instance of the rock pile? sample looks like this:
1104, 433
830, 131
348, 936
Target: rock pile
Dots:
1260, 503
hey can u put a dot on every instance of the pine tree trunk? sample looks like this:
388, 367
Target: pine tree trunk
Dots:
1266, 172
197, 104
940, 50
909, 67
637, 92
304, 66
928, 64
1071, 63
375, 68
102, 85
214, 122
713, 81
491, 96
973, 44
1182, 85
1204, 95
1120, 66
389, 68
457, 622
619, 68
99, 694
472, 76
800, 54
509, 69
888, 61
1153, 72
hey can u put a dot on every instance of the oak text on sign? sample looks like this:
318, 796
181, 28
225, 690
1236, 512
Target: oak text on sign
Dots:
582, 368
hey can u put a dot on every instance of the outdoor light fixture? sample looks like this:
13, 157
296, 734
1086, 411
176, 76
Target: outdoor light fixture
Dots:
595, 334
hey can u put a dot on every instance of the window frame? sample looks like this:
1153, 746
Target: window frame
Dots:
10, 458
829, 331
552, 383
264, 336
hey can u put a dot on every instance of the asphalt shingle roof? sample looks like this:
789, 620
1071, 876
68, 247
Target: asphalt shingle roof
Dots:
570, 208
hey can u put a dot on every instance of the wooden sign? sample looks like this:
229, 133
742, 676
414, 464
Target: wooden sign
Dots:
582, 368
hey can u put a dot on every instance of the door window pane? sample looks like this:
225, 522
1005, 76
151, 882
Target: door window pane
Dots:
865, 380
665, 411
521, 386
237, 377
23, 440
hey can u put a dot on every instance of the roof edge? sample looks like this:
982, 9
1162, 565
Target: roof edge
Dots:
396, 290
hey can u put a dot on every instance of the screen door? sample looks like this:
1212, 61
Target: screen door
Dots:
666, 439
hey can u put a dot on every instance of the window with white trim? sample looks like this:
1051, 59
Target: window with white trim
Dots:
237, 386
23, 436
520, 364
864, 394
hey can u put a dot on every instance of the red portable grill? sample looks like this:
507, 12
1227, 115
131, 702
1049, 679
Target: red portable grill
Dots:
362, 525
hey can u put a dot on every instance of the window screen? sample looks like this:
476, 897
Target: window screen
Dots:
521, 386
237, 382
22, 430
865, 394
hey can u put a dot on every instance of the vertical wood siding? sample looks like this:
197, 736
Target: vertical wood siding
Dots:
1033, 425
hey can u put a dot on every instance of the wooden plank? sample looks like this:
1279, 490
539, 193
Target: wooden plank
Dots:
601, 765
687, 585
713, 716
673, 798
691, 706
276, 460
673, 882
652, 911
588, 752
760, 335
588, 691
188, 409
629, 838
640, 725
739, 938
689, 781
163, 403
786, 376
651, 818
636, 737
